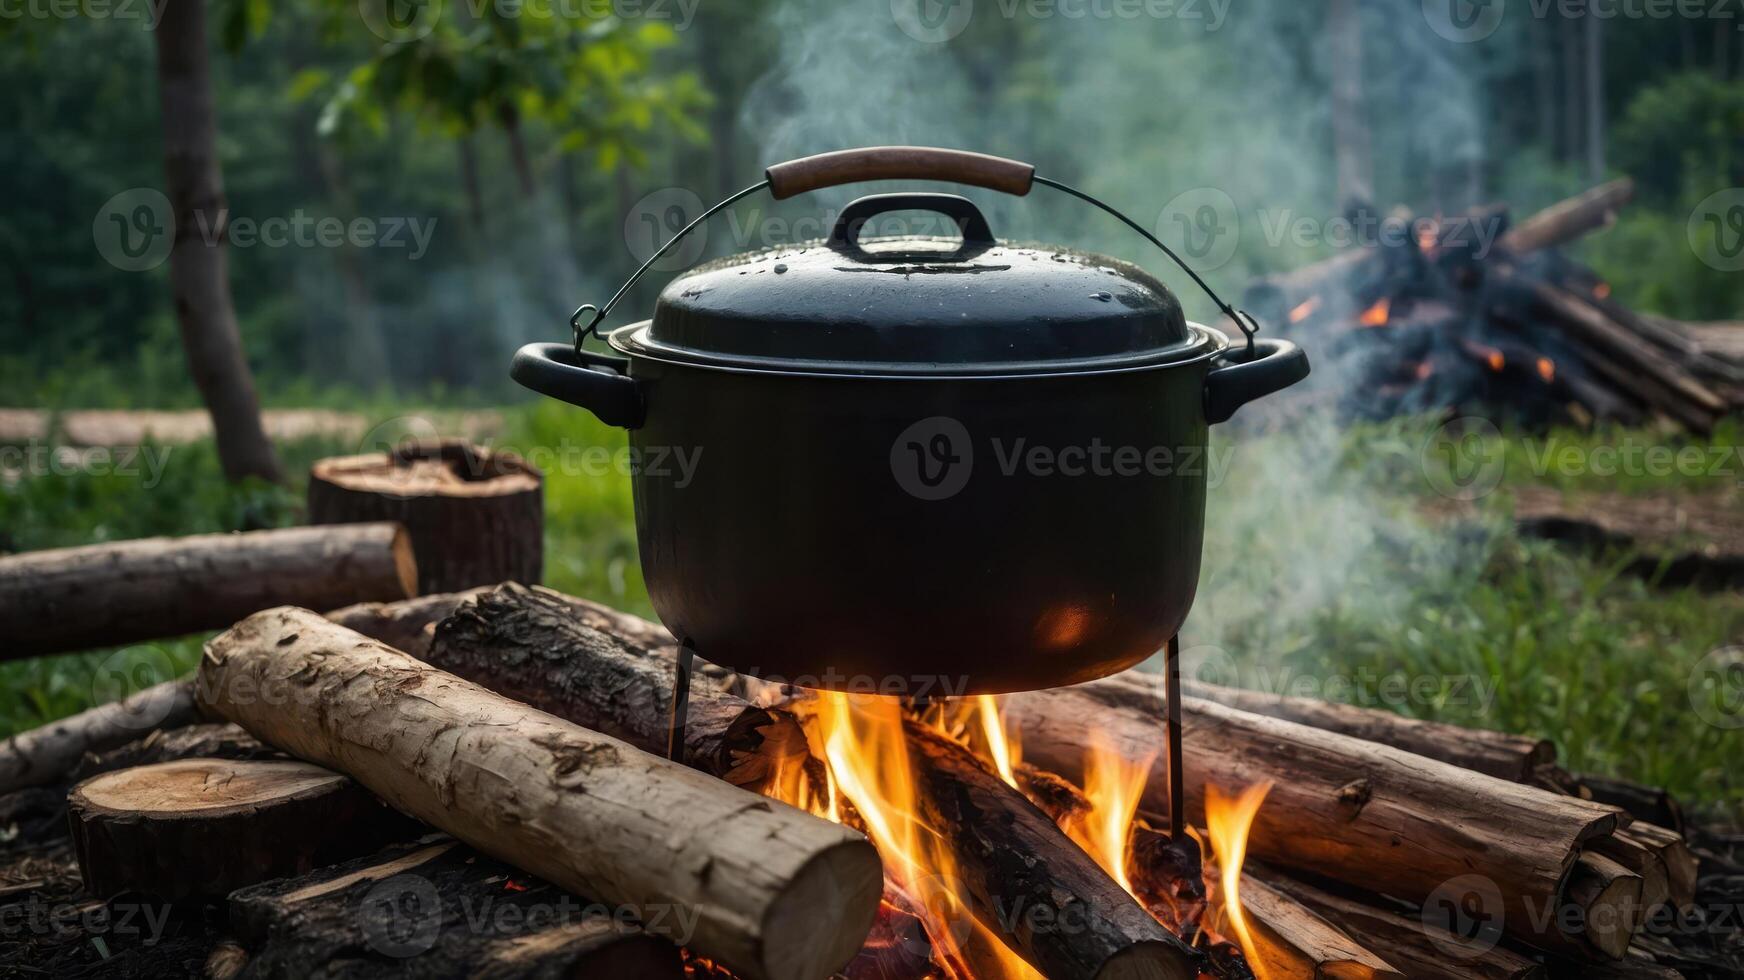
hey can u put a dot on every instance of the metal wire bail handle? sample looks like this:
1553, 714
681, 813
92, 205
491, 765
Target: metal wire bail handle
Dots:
850, 166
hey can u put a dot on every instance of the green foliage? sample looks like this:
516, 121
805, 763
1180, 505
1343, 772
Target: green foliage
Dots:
1681, 131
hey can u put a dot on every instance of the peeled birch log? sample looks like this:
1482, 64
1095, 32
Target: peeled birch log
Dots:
775, 894
110, 594
438, 908
46, 755
1423, 951
475, 517
529, 645
1383, 819
209, 826
1504, 756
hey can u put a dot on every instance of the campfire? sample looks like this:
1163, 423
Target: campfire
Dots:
1465, 313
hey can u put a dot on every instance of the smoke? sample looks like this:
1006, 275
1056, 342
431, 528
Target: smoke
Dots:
1166, 117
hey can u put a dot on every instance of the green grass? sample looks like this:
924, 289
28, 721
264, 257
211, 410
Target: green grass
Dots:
1321, 576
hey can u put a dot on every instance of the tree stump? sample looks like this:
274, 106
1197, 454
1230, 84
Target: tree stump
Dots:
476, 517
208, 826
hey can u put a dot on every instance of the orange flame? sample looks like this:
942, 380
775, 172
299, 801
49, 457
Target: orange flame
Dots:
1113, 784
1305, 309
1227, 822
1003, 749
1424, 370
1547, 369
1376, 315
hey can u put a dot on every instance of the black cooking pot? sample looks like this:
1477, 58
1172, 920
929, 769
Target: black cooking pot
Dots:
912, 465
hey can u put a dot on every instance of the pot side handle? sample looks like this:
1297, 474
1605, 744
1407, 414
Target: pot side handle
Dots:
591, 381
1276, 365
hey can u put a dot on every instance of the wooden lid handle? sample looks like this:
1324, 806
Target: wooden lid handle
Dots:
899, 163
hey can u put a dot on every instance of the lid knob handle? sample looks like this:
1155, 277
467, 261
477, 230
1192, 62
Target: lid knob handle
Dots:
963, 213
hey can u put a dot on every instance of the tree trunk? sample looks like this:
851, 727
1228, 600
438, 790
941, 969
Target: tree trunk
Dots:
510, 118
474, 517
1351, 142
772, 892
199, 270
469, 185
108, 594
205, 827
1594, 66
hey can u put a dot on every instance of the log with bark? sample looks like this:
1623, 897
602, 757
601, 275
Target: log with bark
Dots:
404, 625
1419, 948
476, 517
772, 892
1337, 802
437, 908
1498, 754
530, 645
204, 827
533, 644
46, 755
110, 594
1608, 898
1568, 220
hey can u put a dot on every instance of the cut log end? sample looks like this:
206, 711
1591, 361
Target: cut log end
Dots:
846, 876
405, 561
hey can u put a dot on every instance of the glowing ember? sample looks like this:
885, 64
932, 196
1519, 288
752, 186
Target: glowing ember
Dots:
1547, 369
1602, 290
1424, 370
1496, 360
1305, 309
1376, 315
1227, 821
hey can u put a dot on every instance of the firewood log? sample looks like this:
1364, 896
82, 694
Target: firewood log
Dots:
475, 517
208, 826
1337, 803
774, 893
403, 625
532, 644
47, 754
1681, 865
528, 645
1609, 897
1650, 804
1504, 756
1644, 862
438, 908
1295, 942
201, 741
110, 594
1570, 219
1422, 950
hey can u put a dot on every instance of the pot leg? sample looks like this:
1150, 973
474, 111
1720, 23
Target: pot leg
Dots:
1177, 780
680, 702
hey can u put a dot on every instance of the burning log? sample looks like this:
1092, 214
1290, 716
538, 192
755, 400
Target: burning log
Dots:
1504, 756
1041, 894
1025, 875
1422, 950
774, 893
110, 594
45, 755
1337, 802
438, 908
1293, 941
1568, 220
475, 517
526, 644
209, 826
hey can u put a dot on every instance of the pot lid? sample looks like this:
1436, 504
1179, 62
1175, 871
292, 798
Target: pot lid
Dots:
918, 305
